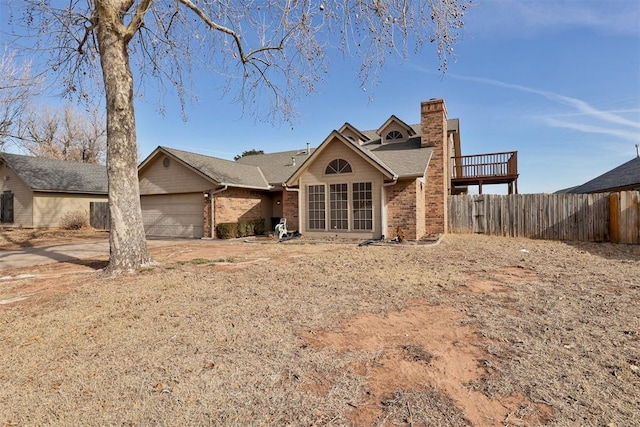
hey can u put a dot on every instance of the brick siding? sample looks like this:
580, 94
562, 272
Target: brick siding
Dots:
401, 210
290, 209
434, 134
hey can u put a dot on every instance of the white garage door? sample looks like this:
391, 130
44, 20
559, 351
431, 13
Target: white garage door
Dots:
173, 215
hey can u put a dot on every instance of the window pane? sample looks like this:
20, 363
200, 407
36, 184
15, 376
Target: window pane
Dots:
362, 206
338, 166
316, 209
339, 214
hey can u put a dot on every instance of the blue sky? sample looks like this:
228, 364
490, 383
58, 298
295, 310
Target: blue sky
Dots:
558, 81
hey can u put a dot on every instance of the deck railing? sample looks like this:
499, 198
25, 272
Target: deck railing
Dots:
491, 165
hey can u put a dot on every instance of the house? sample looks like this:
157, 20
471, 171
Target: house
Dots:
390, 181
37, 192
625, 177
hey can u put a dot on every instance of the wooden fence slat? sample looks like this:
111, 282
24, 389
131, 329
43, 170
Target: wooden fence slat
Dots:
582, 217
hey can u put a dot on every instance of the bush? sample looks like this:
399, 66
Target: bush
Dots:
245, 228
227, 230
75, 220
231, 230
258, 226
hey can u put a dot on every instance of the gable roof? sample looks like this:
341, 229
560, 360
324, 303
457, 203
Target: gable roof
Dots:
220, 171
366, 154
268, 171
277, 167
349, 127
51, 175
393, 118
625, 176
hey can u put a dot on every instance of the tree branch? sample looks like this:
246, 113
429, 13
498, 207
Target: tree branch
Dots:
137, 20
236, 37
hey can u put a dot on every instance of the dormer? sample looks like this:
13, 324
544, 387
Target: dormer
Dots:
353, 134
395, 130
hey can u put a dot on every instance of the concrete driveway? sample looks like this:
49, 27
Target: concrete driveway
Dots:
28, 257
67, 252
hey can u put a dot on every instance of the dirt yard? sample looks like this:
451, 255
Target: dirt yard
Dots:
469, 331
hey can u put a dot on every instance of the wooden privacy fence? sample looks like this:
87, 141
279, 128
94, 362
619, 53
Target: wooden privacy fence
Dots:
580, 217
99, 215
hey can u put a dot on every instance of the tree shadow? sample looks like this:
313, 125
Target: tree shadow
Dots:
607, 250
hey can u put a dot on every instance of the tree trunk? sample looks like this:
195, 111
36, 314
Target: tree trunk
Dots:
127, 242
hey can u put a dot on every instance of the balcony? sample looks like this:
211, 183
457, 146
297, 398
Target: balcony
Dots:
483, 169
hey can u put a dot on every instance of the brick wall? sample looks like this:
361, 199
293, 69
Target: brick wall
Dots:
433, 116
290, 209
239, 204
206, 215
401, 210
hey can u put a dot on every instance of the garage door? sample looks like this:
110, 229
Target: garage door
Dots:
173, 215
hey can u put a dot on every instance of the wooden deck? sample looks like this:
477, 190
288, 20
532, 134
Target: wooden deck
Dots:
483, 169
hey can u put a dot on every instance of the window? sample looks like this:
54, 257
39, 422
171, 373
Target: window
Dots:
339, 206
6, 207
362, 206
316, 207
338, 166
394, 134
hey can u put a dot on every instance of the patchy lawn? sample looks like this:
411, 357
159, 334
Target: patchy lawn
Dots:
473, 330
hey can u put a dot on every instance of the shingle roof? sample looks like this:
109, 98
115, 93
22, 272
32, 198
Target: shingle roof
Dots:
222, 171
277, 167
405, 159
58, 175
625, 175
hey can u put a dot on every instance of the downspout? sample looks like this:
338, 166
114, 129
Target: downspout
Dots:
384, 204
212, 208
295, 190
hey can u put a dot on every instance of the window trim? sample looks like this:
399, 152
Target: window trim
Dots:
394, 135
345, 208
322, 207
338, 169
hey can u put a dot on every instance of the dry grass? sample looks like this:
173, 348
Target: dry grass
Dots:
13, 238
221, 341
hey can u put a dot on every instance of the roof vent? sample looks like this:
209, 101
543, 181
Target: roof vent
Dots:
293, 161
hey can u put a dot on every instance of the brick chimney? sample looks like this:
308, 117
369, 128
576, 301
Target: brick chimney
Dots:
433, 120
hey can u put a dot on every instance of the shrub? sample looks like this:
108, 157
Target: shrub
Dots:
75, 220
245, 228
258, 226
231, 230
227, 230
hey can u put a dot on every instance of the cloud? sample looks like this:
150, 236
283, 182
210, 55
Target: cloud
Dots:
593, 120
525, 18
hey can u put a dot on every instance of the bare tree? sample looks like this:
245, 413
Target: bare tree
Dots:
274, 49
63, 133
17, 88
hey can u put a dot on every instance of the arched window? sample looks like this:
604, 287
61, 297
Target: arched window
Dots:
394, 134
338, 166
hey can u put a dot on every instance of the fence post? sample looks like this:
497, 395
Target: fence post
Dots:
614, 217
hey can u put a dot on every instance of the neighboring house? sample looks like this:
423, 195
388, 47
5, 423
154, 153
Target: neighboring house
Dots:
622, 178
364, 184
37, 192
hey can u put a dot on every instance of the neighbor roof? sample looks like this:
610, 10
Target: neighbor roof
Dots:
624, 176
51, 175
